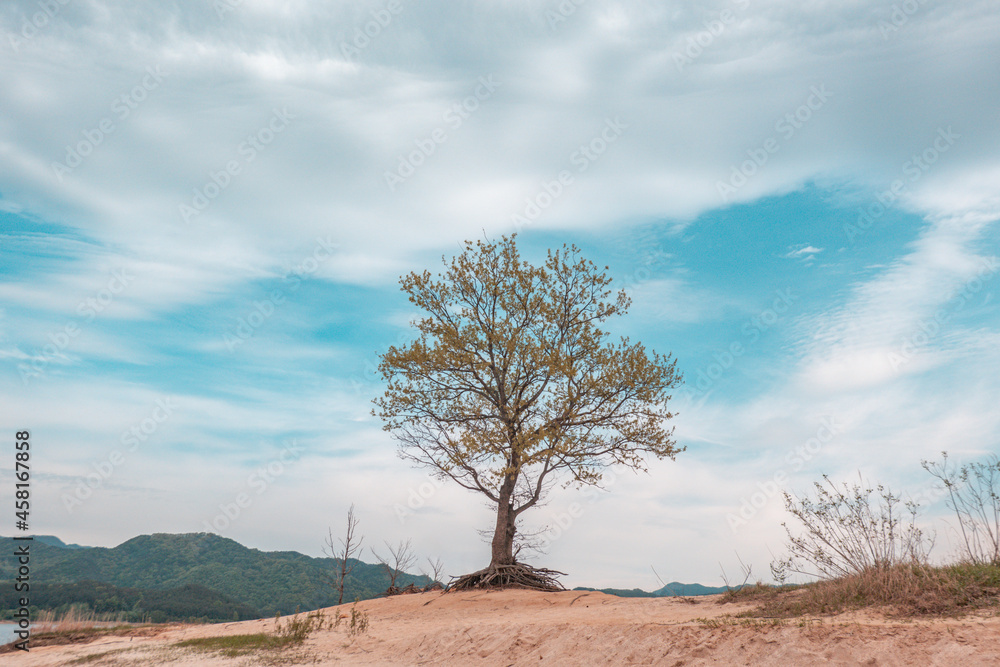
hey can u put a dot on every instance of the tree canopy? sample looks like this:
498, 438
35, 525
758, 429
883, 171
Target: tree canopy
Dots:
511, 381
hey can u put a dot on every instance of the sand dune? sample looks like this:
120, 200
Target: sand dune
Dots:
570, 628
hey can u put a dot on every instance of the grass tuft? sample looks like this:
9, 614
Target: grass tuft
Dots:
290, 635
233, 646
94, 657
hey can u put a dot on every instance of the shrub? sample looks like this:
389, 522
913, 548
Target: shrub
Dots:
847, 533
974, 496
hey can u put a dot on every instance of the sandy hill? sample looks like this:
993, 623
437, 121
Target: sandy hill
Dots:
567, 628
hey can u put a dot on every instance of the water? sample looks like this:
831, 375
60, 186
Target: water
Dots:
7, 633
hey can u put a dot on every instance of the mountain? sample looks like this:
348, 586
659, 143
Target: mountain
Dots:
620, 592
672, 589
685, 590
54, 541
269, 582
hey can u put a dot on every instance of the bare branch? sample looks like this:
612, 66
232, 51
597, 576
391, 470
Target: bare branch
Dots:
434, 574
400, 559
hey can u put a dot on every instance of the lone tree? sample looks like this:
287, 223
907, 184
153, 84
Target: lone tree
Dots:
349, 546
509, 382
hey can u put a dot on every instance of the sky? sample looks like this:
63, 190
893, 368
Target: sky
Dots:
206, 207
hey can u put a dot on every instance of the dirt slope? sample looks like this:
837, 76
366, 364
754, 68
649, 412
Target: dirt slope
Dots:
569, 628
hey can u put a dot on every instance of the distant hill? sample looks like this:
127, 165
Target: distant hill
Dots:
269, 582
54, 541
677, 588
620, 592
674, 588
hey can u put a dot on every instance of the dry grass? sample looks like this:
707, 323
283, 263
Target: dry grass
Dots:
74, 620
755, 592
79, 627
97, 657
899, 591
732, 622
237, 645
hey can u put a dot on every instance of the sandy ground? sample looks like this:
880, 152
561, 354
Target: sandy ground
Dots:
566, 628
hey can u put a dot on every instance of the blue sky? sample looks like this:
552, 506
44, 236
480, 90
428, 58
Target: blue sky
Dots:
205, 209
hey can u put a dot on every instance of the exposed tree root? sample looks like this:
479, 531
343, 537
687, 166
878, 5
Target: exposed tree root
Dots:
515, 575
412, 588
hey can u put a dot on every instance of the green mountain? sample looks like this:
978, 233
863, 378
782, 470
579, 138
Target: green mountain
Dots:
676, 588
620, 592
54, 541
672, 589
269, 582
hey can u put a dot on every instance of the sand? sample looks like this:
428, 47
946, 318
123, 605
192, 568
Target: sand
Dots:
568, 628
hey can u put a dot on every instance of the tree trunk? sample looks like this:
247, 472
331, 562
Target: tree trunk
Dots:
503, 535
342, 576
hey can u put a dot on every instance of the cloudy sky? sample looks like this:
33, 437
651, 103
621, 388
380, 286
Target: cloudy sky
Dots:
205, 208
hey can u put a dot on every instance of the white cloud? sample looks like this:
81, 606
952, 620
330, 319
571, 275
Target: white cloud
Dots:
805, 252
323, 176
325, 173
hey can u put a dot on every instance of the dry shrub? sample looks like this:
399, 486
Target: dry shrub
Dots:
755, 593
868, 553
974, 495
847, 532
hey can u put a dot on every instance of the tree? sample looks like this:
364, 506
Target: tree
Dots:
400, 559
342, 556
509, 383
436, 568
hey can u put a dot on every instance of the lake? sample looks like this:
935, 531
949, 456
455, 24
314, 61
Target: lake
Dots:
7, 633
